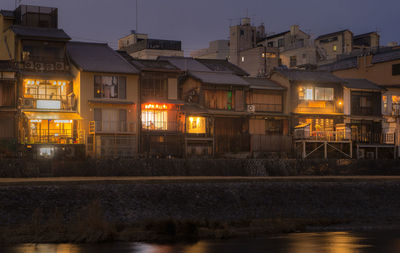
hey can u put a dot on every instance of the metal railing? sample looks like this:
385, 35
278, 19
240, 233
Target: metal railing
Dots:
55, 136
162, 126
113, 126
65, 102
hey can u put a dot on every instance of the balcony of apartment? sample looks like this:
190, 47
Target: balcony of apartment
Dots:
154, 44
47, 95
161, 126
55, 136
43, 64
320, 107
112, 127
36, 16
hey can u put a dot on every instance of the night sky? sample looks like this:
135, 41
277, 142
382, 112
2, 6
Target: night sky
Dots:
196, 22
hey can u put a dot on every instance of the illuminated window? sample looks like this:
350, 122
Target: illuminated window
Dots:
46, 89
110, 87
155, 117
306, 94
51, 131
334, 48
196, 125
396, 100
324, 94
385, 104
242, 58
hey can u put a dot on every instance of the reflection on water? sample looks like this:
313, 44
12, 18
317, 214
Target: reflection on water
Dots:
330, 242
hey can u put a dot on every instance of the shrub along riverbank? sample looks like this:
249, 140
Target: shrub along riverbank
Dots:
197, 167
191, 210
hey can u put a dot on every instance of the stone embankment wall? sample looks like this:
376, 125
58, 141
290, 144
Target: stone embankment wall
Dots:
197, 167
344, 200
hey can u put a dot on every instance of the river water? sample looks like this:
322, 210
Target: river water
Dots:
331, 242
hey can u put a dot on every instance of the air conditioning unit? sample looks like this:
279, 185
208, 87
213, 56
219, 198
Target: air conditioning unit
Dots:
251, 108
39, 66
361, 154
370, 155
29, 65
28, 103
60, 66
49, 66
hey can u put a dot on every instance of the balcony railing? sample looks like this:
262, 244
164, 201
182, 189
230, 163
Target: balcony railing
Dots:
113, 126
49, 102
169, 126
55, 136
367, 138
325, 136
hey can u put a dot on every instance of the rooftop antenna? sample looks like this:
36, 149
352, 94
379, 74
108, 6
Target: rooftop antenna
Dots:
137, 25
17, 2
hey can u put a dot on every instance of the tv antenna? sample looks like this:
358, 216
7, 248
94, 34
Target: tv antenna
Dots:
137, 11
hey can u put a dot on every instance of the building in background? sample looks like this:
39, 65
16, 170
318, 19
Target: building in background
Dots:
139, 46
258, 61
218, 49
107, 91
296, 49
342, 44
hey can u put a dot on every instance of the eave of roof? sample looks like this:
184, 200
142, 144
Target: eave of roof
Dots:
331, 34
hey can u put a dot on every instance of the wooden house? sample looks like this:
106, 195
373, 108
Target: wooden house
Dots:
315, 102
106, 87
48, 124
162, 123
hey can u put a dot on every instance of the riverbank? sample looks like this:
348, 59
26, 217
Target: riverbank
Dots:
182, 209
18, 168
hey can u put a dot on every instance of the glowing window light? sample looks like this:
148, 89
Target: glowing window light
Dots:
35, 120
156, 106
63, 121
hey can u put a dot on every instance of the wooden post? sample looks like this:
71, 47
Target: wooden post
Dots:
325, 150
376, 152
358, 152
351, 149
304, 150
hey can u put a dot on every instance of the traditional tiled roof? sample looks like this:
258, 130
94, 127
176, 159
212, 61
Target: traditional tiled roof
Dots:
362, 84
263, 83
223, 66
96, 57
155, 65
340, 65
309, 76
386, 56
185, 63
218, 78
40, 32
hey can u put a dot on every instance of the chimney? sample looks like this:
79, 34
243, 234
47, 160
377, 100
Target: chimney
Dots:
294, 29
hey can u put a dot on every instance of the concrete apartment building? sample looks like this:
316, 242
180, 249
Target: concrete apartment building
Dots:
218, 49
295, 47
333, 45
138, 45
244, 52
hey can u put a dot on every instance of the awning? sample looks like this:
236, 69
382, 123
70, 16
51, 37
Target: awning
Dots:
47, 75
53, 115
